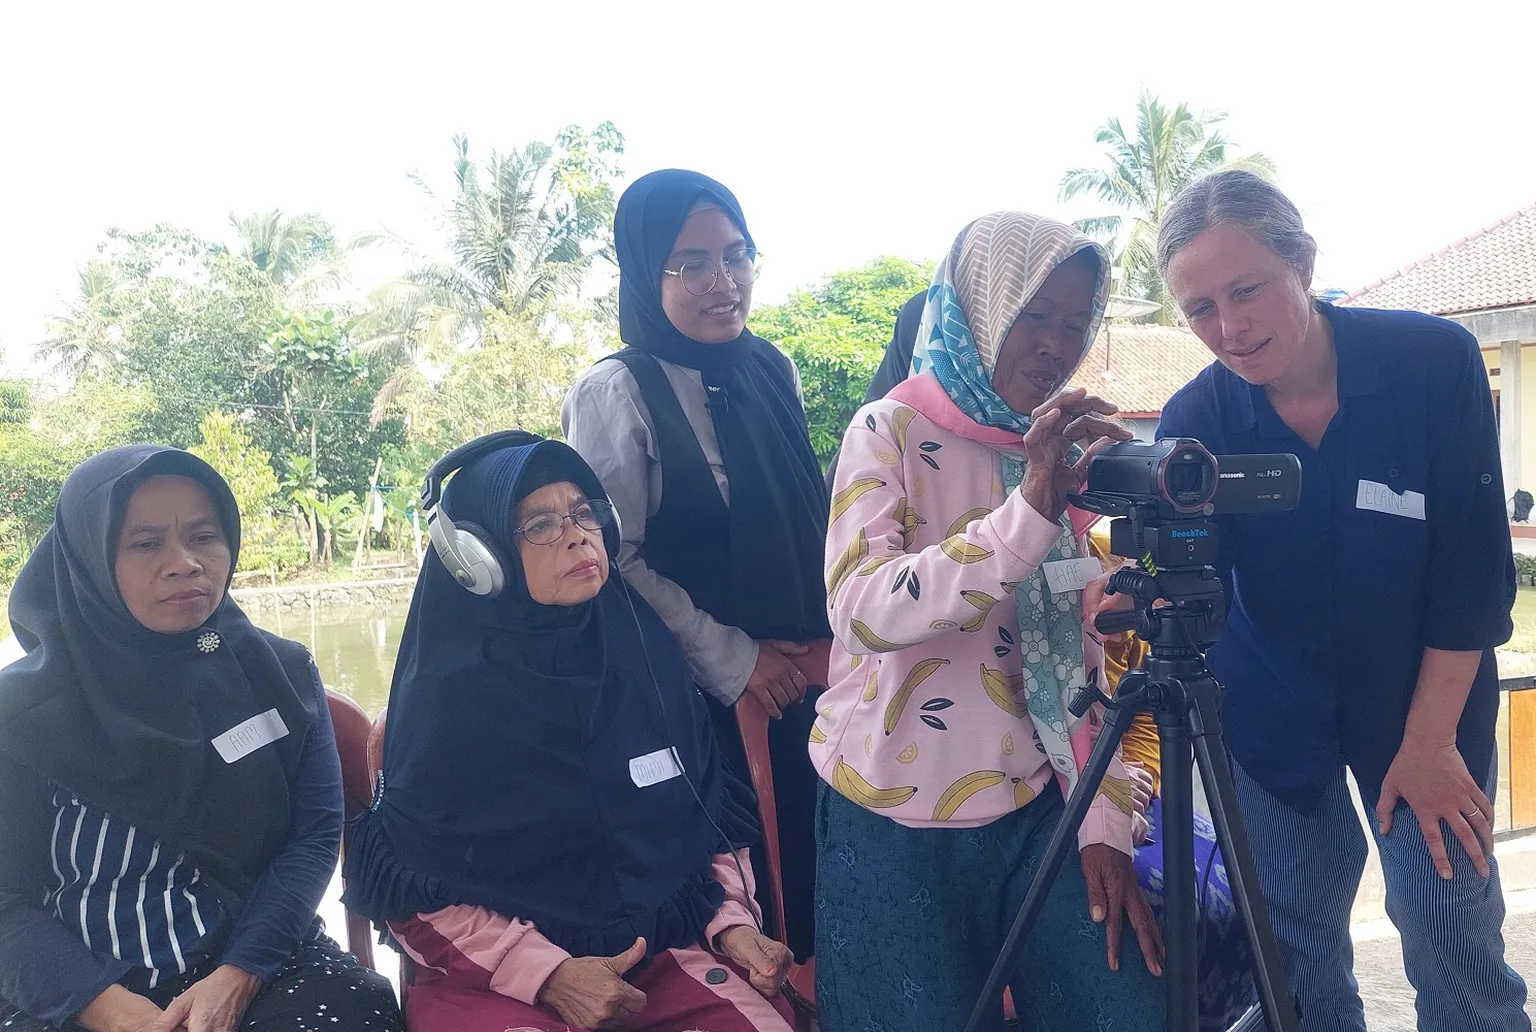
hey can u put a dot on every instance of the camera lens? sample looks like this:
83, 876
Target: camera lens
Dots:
1188, 479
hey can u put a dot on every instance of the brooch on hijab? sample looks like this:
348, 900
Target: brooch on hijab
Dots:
208, 641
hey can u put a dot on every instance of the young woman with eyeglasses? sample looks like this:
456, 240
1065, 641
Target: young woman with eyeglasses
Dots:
698, 433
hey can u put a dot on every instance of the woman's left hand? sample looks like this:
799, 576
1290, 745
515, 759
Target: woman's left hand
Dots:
215, 1003
767, 962
1071, 417
1113, 895
1432, 778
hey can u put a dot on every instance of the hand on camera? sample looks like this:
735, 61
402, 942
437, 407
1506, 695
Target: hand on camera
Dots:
1073, 417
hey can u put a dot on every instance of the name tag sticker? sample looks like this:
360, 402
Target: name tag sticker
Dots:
249, 735
654, 768
1066, 575
1381, 498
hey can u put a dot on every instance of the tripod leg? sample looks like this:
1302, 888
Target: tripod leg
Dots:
1180, 928
1210, 750
1062, 840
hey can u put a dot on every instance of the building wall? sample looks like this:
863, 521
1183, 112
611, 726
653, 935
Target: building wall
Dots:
1526, 464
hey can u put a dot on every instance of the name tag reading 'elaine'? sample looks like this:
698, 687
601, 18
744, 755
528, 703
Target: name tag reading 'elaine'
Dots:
1381, 498
654, 768
249, 735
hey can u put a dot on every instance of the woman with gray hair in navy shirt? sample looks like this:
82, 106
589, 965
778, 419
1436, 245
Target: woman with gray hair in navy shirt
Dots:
1362, 625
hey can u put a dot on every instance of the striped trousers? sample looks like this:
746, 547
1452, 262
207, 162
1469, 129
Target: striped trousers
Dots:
1453, 948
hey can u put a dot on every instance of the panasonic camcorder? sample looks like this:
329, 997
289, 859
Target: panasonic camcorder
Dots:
1165, 495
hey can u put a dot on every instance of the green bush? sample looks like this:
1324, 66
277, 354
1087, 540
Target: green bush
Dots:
287, 554
1525, 568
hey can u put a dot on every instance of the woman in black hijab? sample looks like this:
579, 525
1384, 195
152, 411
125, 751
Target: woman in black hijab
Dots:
169, 784
554, 839
698, 433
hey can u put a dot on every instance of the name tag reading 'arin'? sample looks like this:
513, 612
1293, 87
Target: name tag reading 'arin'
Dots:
1381, 498
249, 735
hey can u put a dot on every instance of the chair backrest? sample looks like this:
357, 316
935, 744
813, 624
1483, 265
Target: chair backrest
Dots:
753, 721
352, 732
376, 764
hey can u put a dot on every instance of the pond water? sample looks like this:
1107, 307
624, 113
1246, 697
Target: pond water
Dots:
354, 647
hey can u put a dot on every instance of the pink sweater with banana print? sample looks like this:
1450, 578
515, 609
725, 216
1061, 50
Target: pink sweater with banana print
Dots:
926, 718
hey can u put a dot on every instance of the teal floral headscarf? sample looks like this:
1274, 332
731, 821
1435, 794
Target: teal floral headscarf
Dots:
994, 268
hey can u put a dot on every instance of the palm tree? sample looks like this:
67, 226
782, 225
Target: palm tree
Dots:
87, 336
523, 230
298, 254
1170, 150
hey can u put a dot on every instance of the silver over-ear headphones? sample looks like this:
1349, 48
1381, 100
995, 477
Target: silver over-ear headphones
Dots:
468, 551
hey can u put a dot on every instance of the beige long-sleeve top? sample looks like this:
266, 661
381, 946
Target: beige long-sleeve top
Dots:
606, 420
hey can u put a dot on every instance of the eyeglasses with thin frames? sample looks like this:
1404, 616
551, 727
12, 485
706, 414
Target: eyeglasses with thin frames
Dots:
546, 528
699, 275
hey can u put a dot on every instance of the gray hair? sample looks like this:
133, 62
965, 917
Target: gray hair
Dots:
1236, 197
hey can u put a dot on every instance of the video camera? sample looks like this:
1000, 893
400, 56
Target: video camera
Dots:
1164, 497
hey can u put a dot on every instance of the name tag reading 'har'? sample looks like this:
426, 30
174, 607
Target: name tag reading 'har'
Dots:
654, 768
1066, 575
1381, 498
249, 735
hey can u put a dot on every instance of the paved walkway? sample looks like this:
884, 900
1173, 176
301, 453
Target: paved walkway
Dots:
1379, 965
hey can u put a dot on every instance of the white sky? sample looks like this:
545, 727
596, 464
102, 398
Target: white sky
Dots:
848, 130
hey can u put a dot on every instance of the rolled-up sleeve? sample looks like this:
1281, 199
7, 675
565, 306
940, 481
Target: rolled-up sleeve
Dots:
1471, 562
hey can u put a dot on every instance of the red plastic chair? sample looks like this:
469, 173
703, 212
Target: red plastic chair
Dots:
352, 738
375, 753
753, 721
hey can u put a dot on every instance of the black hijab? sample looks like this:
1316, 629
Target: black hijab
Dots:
507, 778
896, 365
122, 716
778, 503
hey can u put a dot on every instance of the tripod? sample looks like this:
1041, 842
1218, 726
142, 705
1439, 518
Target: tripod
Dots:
1175, 686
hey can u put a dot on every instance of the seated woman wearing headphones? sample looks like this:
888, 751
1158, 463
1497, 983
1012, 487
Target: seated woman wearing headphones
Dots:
554, 840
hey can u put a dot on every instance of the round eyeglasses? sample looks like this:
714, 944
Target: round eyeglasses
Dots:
545, 528
699, 275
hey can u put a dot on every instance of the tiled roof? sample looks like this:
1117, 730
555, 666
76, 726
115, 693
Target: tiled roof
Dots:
1139, 367
1493, 268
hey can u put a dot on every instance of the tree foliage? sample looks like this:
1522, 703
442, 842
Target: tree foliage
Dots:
1144, 170
523, 231
837, 332
227, 447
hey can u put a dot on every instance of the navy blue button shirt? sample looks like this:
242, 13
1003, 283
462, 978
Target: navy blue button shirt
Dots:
1332, 604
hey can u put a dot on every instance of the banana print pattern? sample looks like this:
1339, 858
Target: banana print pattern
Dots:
964, 520
856, 553
1003, 689
901, 419
955, 795
1118, 791
844, 499
918, 674
909, 520
852, 784
934, 727
962, 551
